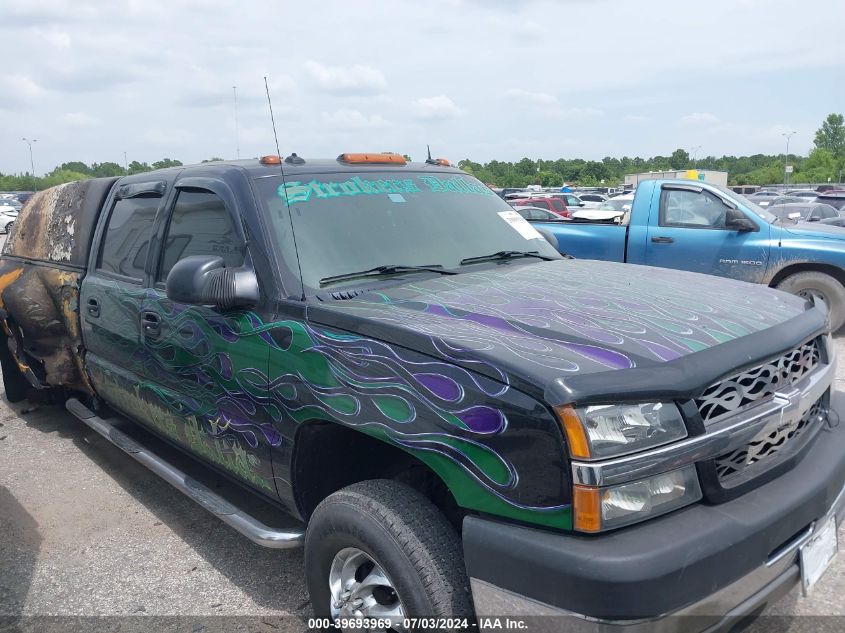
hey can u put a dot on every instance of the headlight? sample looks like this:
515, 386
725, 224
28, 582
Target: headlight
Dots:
599, 509
598, 432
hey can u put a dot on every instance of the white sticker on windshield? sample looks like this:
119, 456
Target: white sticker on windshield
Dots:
396, 197
521, 225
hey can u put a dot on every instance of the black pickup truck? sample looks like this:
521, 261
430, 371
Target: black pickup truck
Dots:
466, 423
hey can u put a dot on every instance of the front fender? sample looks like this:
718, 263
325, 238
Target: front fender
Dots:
497, 449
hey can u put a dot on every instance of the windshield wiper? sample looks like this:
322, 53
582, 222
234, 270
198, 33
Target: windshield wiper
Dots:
505, 255
387, 269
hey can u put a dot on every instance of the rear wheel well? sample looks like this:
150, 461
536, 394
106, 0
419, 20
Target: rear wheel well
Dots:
834, 271
328, 457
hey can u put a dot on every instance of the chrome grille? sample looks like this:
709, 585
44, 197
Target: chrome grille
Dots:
759, 383
730, 466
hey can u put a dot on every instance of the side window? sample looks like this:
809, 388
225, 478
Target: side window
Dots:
200, 225
693, 209
828, 212
127, 236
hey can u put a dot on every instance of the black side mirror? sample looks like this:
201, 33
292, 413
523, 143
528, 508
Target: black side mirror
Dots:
735, 220
204, 280
815, 218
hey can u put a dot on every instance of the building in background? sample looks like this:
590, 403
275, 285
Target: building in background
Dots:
704, 175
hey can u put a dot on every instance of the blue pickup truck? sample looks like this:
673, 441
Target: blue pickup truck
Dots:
704, 228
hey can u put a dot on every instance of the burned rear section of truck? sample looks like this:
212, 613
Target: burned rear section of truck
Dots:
43, 261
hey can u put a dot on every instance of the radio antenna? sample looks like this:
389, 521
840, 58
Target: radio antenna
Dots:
285, 188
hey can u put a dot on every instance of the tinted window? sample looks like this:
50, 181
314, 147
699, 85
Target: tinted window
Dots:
544, 215
127, 236
828, 211
680, 207
201, 225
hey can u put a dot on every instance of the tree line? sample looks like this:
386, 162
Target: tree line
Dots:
825, 163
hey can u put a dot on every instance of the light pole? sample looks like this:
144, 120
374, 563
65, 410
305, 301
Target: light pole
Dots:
237, 132
694, 151
31, 162
788, 136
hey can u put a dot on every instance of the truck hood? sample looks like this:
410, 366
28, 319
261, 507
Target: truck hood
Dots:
534, 323
815, 230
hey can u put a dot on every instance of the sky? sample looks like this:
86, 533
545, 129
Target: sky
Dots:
478, 79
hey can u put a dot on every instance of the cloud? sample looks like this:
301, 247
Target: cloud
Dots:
440, 107
636, 118
353, 120
80, 119
579, 114
536, 98
346, 80
699, 119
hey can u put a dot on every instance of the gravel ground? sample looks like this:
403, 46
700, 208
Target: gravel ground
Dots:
87, 532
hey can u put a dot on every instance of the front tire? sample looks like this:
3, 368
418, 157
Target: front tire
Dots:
380, 549
812, 283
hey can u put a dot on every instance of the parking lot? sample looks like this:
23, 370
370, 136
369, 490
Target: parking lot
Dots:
93, 540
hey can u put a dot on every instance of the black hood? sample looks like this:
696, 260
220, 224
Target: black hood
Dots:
539, 323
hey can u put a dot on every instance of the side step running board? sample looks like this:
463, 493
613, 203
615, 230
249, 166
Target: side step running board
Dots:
247, 525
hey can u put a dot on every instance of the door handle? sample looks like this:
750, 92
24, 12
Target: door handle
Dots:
93, 307
662, 240
151, 325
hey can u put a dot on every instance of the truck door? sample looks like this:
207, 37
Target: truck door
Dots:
208, 366
688, 232
113, 291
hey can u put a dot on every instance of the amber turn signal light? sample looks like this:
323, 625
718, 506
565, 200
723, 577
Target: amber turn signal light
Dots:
586, 501
270, 159
575, 435
378, 159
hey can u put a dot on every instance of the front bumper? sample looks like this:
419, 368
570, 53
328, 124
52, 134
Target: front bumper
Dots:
696, 569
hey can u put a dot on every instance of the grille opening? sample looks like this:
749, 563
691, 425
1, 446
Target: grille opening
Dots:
732, 468
759, 383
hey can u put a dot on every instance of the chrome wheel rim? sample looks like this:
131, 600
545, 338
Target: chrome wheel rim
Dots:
360, 589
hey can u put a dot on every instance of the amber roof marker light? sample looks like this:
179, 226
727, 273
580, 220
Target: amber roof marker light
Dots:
270, 159
382, 158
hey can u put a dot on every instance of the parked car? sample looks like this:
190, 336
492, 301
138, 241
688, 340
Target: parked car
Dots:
834, 198
591, 200
609, 211
837, 221
8, 215
461, 421
806, 212
803, 193
787, 200
763, 198
553, 204
706, 228
538, 214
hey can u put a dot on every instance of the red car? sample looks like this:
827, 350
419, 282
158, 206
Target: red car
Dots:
555, 205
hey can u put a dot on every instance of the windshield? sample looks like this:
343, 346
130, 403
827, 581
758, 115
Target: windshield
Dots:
345, 223
747, 203
784, 211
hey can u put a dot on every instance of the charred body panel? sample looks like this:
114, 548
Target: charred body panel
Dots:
40, 318
43, 263
57, 224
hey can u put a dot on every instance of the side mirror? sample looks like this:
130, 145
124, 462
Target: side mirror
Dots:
735, 220
204, 280
815, 218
